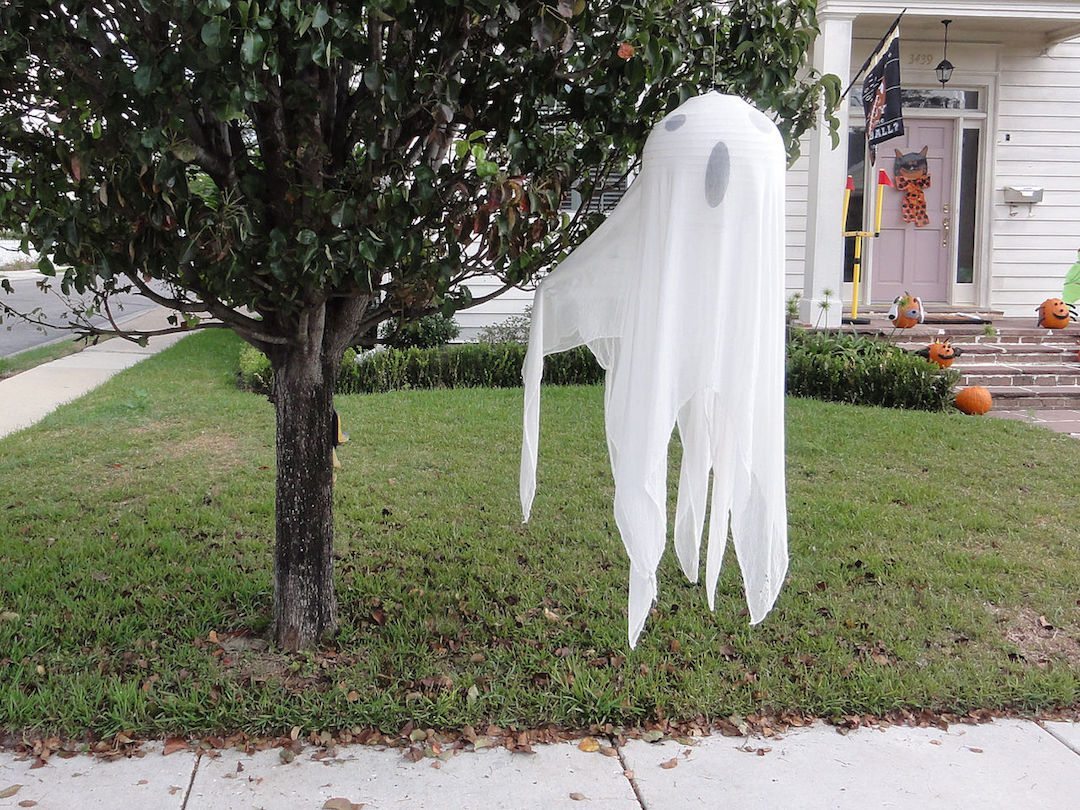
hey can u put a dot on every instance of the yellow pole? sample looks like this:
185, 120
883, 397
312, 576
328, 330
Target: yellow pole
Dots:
856, 273
883, 180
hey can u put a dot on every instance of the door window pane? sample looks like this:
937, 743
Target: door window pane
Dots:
857, 169
965, 226
936, 99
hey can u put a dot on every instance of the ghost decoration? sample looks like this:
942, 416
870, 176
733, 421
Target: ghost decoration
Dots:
680, 295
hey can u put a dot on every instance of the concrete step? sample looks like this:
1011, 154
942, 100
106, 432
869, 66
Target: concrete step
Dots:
1022, 397
1010, 353
993, 376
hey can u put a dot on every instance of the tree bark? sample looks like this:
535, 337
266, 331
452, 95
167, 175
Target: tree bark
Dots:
305, 606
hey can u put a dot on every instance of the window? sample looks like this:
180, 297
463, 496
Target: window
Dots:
856, 167
965, 225
936, 99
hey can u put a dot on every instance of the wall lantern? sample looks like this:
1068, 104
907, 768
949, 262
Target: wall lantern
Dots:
945, 67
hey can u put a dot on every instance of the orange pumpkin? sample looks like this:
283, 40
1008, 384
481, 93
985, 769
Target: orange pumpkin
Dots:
941, 353
906, 311
974, 400
1054, 314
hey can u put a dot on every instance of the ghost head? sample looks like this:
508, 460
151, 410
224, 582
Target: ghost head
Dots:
680, 295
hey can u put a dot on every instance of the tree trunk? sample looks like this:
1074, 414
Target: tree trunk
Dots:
305, 607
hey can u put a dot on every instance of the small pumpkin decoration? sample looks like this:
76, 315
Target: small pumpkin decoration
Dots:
974, 400
906, 311
1055, 314
941, 353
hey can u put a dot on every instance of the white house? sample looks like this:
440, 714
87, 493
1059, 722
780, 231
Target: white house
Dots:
1009, 118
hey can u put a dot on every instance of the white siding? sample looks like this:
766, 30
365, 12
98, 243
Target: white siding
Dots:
797, 193
511, 302
1039, 110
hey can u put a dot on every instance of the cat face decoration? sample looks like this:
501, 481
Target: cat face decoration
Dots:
912, 177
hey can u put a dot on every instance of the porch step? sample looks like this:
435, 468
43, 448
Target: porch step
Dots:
1024, 369
1021, 397
1029, 374
1009, 353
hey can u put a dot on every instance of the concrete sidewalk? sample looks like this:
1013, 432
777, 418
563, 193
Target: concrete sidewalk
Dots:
1006, 764
30, 396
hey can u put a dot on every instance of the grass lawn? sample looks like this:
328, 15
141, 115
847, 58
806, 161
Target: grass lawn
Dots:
23, 361
935, 563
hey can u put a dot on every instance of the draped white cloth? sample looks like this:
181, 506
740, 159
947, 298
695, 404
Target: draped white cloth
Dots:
680, 295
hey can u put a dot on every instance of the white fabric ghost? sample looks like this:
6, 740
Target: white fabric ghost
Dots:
680, 295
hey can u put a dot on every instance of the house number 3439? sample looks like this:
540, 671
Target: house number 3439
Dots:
920, 59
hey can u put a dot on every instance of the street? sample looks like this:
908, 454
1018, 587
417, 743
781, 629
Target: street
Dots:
17, 335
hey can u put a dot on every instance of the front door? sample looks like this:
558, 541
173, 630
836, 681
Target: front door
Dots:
912, 254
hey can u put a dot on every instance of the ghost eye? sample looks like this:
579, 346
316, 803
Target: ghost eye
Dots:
716, 174
674, 122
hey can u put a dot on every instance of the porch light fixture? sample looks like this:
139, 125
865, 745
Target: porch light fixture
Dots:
945, 67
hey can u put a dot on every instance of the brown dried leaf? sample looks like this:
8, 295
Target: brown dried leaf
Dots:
975, 750
27, 803
578, 797
671, 763
174, 744
8, 792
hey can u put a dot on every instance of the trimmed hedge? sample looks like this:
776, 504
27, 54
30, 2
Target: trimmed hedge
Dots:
865, 371
840, 368
468, 365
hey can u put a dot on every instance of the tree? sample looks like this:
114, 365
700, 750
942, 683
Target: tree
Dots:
300, 171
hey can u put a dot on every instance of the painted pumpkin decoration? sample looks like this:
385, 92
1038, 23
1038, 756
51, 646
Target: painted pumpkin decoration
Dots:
974, 400
941, 353
906, 311
1055, 314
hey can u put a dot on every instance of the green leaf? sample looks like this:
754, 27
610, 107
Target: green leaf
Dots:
215, 33
373, 78
145, 79
306, 236
251, 50
321, 18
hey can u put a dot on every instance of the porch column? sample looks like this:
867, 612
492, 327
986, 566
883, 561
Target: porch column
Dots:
824, 264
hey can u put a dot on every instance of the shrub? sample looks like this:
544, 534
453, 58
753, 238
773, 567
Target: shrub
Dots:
864, 371
514, 329
424, 333
469, 365
840, 368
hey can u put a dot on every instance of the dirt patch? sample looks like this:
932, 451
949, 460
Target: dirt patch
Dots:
1036, 639
217, 448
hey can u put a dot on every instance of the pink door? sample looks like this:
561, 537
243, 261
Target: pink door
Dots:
912, 253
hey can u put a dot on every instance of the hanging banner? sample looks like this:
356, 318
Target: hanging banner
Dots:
881, 93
